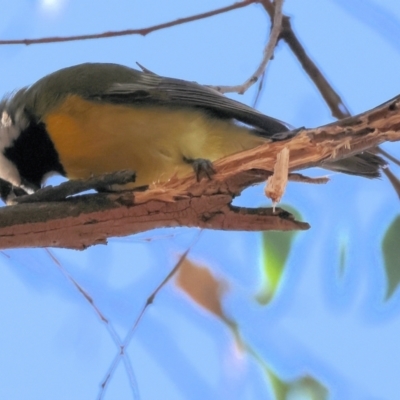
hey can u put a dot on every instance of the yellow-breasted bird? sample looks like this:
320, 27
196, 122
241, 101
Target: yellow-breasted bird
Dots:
92, 119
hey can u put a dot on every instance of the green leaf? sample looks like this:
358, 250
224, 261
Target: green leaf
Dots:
307, 388
279, 388
391, 256
304, 388
275, 251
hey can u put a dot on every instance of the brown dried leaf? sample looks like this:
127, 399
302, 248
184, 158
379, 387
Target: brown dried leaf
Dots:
202, 287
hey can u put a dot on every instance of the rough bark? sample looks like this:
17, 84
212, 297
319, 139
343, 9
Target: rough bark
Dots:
81, 221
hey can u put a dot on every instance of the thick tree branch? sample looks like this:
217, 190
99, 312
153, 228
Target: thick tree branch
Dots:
85, 220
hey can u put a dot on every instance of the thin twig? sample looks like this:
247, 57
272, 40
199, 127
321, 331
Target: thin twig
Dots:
268, 53
259, 90
126, 32
151, 298
384, 153
113, 333
395, 182
148, 302
331, 97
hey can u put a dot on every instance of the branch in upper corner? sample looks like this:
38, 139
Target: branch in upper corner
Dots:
126, 32
268, 53
81, 221
331, 97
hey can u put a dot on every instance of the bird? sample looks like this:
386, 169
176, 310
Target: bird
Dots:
96, 118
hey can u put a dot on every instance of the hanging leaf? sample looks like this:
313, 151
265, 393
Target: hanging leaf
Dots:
279, 388
275, 251
304, 388
307, 388
206, 291
202, 287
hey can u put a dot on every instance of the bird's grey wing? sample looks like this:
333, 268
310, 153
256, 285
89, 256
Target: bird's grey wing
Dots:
153, 89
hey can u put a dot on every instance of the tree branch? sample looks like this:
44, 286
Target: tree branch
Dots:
126, 32
81, 221
276, 19
331, 97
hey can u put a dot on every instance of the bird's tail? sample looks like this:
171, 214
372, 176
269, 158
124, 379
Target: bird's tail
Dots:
365, 164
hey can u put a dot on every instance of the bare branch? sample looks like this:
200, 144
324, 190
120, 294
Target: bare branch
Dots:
149, 301
82, 221
259, 90
268, 53
395, 182
104, 320
385, 154
332, 99
126, 32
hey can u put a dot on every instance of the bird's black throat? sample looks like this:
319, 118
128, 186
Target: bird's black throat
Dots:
34, 154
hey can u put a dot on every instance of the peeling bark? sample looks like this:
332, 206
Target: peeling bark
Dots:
81, 221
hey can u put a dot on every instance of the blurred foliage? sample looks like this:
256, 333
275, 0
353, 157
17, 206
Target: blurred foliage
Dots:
342, 256
305, 388
206, 291
275, 251
391, 256
202, 287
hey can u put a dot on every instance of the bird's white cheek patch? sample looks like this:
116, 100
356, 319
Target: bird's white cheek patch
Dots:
8, 134
6, 120
8, 171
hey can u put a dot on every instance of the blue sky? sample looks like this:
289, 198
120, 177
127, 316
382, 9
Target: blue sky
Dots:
331, 325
